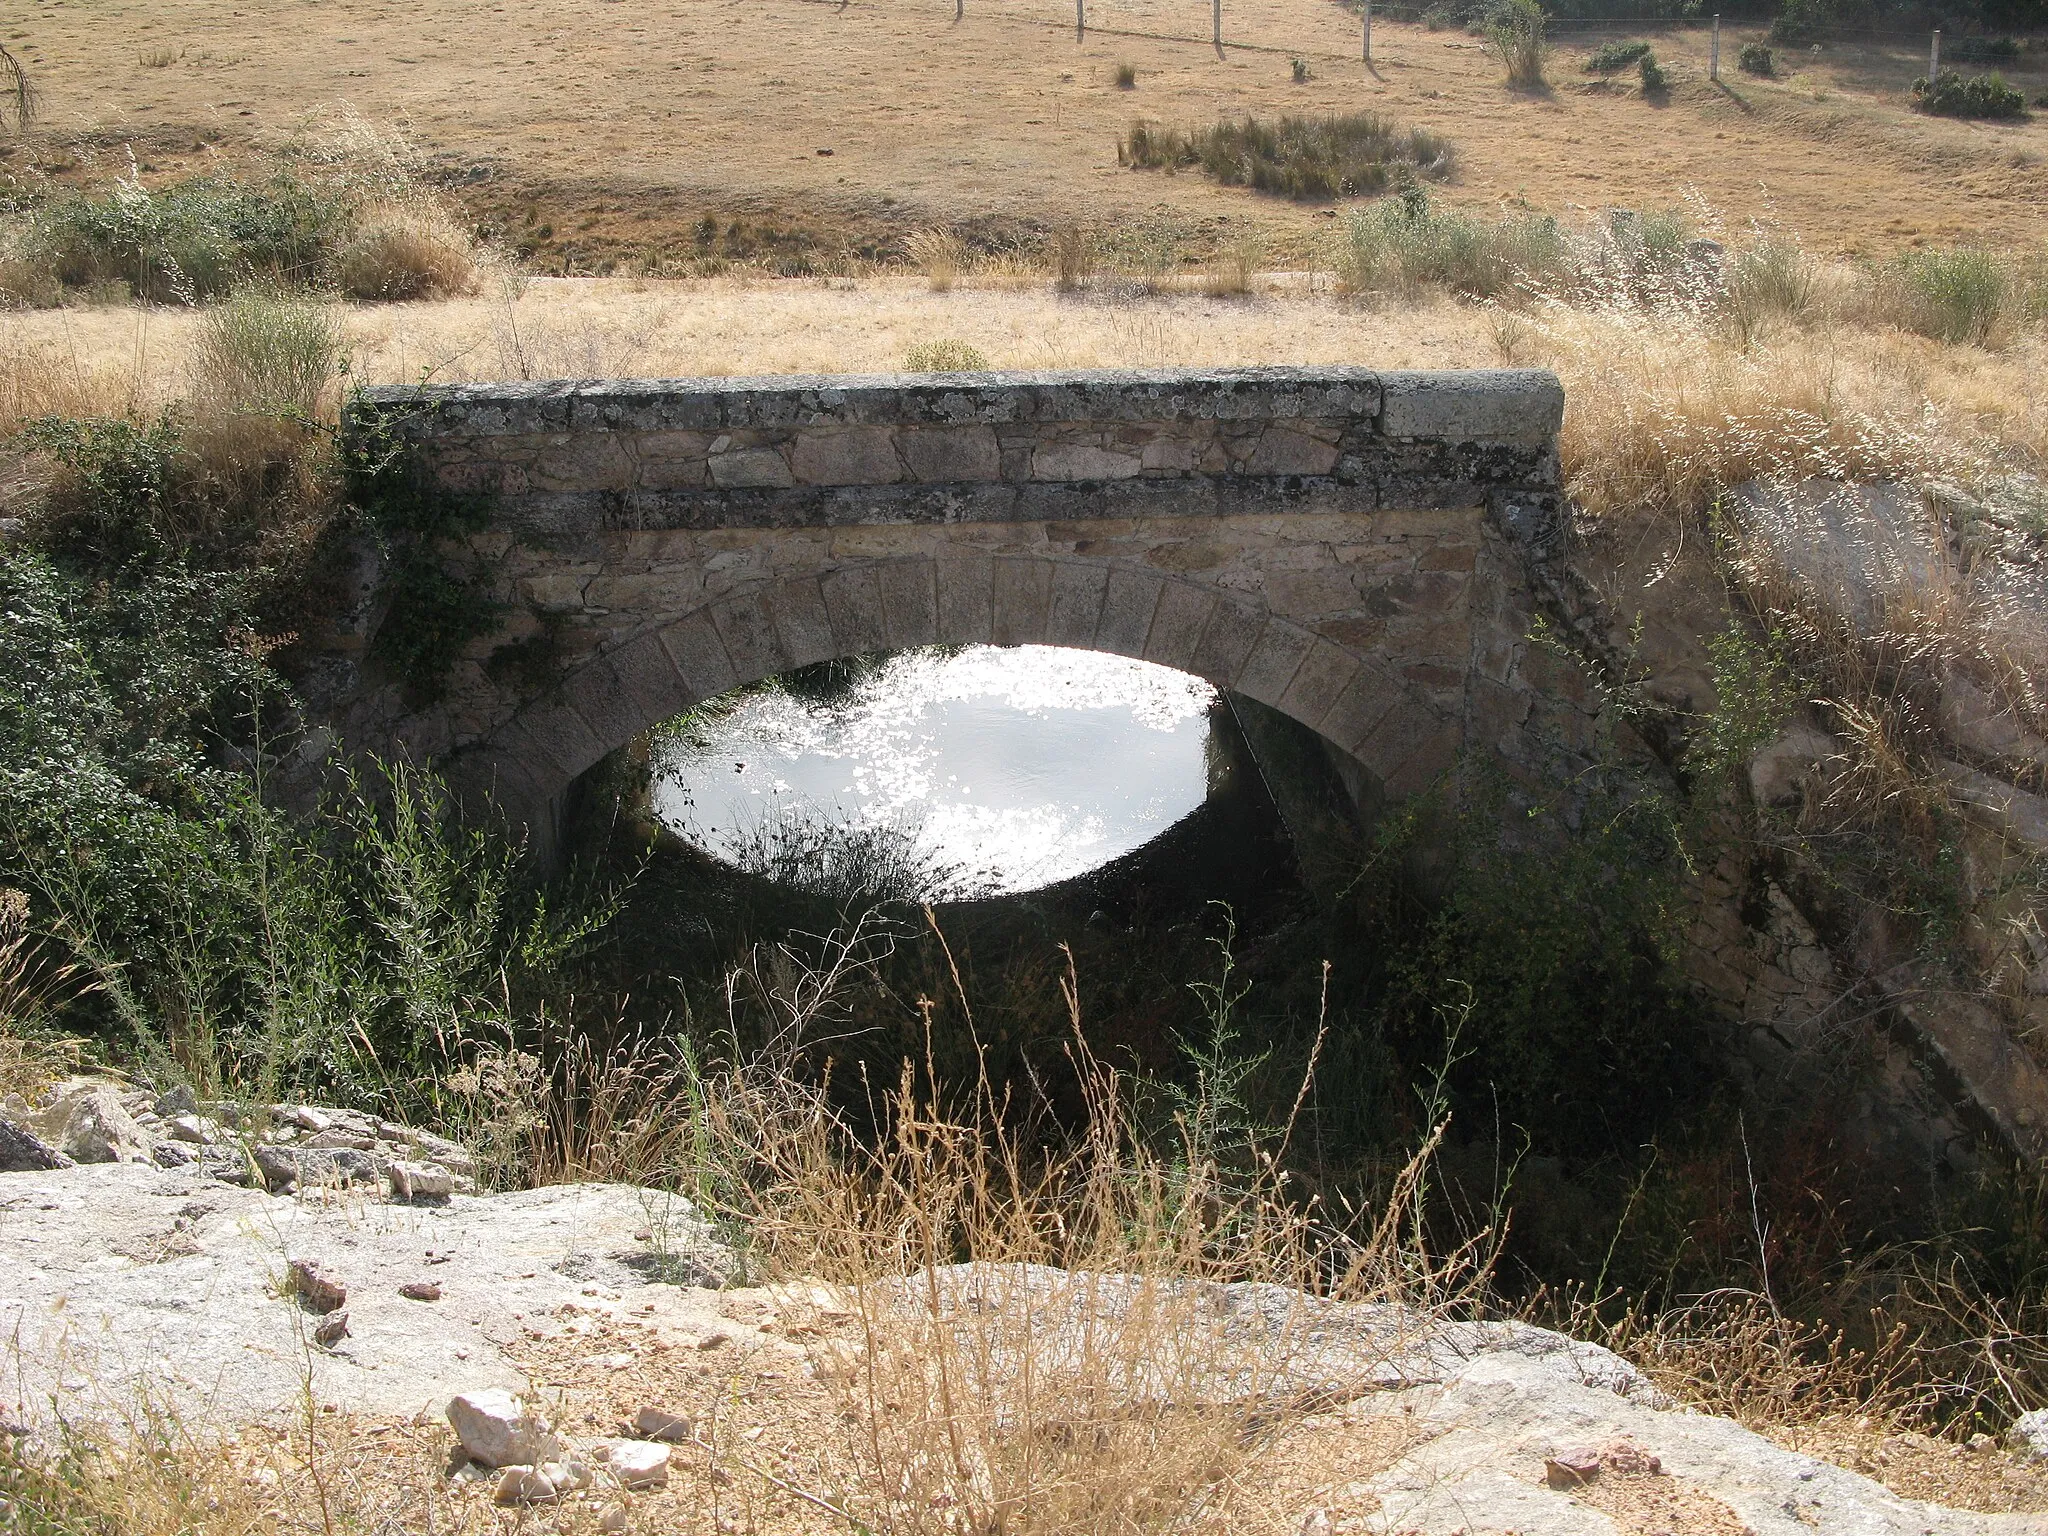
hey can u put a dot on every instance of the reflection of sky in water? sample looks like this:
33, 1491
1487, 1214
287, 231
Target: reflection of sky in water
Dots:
1021, 765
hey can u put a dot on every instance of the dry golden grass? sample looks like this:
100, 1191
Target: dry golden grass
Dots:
403, 252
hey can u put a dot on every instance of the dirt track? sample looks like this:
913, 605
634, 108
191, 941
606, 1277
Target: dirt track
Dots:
587, 126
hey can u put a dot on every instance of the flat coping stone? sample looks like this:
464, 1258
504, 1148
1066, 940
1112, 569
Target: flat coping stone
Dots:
1511, 405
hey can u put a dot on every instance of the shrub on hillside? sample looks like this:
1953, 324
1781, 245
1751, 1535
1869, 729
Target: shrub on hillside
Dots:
1515, 29
1962, 295
196, 239
1406, 243
945, 356
1612, 58
1652, 74
1756, 59
1299, 157
1984, 96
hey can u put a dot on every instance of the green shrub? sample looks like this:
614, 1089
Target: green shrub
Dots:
944, 356
114, 492
1653, 77
1406, 243
1301, 71
1611, 58
268, 353
1298, 157
1985, 96
195, 239
1515, 29
1756, 59
1959, 295
1769, 276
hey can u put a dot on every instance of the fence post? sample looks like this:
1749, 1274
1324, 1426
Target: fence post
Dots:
1080, 19
959, 9
1714, 51
1368, 31
1216, 23
1934, 57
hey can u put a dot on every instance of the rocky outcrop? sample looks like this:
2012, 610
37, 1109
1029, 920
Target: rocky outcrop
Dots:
278, 1147
126, 1277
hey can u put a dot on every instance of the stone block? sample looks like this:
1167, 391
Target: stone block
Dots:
1129, 600
1410, 748
1274, 660
1232, 631
699, 655
748, 630
744, 467
853, 598
1284, 452
910, 609
944, 455
965, 595
1502, 405
1082, 461
1177, 622
1325, 672
563, 735
845, 456
1022, 595
1364, 703
1077, 590
801, 621
600, 697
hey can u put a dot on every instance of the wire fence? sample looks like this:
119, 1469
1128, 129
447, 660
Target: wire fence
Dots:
1258, 26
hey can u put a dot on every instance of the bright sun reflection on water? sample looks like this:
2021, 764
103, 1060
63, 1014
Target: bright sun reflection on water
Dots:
1017, 765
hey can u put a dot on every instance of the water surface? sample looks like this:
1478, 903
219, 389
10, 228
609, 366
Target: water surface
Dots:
1010, 766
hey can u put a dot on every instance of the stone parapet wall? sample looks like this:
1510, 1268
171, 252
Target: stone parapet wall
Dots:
697, 453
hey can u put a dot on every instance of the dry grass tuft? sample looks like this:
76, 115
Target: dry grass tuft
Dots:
401, 253
938, 254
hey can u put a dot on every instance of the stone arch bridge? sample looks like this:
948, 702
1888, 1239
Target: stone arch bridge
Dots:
1359, 550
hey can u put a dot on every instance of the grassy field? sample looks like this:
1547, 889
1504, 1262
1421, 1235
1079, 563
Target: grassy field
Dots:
585, 132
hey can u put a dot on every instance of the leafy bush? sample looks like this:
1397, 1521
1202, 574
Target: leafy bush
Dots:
1405, 243
1950, 95
1126, 77
1756, 59
1298, 157
1653, 77
1515, 28
1611, 58
195, 239
944, 356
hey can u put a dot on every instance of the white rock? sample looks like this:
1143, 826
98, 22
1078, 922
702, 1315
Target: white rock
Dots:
640, 1464
194, 1129
660, 1424
495, 1428
568, 1476
89, 1125
1780, 773
525, 1485
613, 1520
420, 1181
2029, 1433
